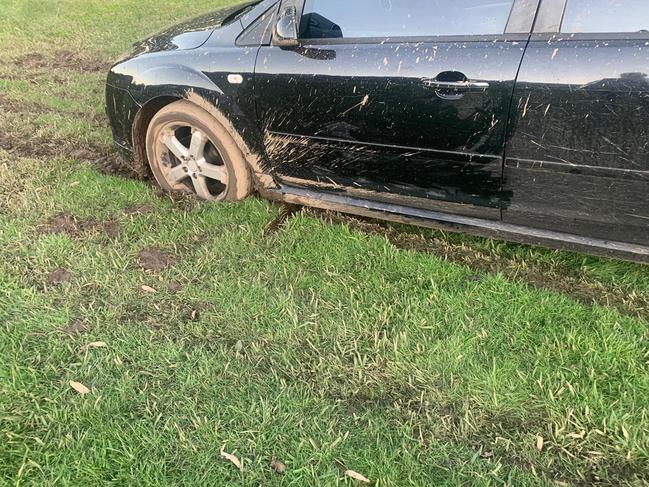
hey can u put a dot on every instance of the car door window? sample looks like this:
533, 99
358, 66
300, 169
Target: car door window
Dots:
403, 18
606, 16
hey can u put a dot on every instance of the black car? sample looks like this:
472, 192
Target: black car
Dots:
526, 120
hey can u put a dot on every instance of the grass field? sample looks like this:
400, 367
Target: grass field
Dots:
328, 343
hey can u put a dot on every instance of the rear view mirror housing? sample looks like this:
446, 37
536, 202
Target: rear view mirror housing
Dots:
285, 33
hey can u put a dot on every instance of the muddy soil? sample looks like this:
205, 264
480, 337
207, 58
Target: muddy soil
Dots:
62, 59
103, 158
59, 276
76, 326
153, 259
65, 223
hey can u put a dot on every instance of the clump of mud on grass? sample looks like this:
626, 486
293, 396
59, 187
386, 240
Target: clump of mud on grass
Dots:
61, 59
153, 259
59, 276
65, 223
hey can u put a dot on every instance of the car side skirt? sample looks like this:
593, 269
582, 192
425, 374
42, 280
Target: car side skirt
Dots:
457, 223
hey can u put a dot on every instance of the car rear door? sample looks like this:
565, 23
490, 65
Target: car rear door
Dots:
398, 100
578, 158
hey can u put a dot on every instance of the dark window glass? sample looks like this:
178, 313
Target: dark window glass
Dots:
592, 16
403, 18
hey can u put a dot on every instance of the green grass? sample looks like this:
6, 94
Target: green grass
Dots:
323, 344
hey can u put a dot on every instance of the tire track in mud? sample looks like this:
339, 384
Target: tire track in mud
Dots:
103, 158
61, 59
31, 67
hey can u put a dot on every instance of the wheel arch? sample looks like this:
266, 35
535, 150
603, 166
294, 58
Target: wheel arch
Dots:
209, 102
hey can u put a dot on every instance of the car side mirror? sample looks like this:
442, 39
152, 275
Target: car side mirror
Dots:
285, 33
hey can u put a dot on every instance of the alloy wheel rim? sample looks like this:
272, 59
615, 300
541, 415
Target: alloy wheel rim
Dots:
190, 161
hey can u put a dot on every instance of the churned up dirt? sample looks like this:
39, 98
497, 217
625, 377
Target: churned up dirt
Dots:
62, 59
153, 259
65, 223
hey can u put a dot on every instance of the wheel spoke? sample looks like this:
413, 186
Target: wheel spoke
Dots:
197, 145
178, 173
173, 144
200, 185
212, 171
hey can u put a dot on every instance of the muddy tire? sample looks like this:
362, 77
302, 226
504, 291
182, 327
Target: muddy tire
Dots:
189, 151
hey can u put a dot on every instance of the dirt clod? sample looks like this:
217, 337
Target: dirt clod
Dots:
59, 276
278, 466
76, 326
112, 229
175, 287
153, 259
62, 223
138, 210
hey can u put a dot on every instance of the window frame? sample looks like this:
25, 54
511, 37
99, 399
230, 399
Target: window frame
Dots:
551, 17
521, 16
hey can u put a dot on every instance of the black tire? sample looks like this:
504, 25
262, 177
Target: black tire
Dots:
188, 150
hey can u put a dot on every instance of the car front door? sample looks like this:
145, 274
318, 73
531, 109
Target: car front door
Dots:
578, 159
398, 100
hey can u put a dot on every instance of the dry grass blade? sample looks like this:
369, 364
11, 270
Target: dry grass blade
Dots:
539, 442
357, 476
79, 387
148, 289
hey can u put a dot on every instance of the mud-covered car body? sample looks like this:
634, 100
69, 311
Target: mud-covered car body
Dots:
517, 127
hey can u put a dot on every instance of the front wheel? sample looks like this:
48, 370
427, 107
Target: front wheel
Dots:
189, 151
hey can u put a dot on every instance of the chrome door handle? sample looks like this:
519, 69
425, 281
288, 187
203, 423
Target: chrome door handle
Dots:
457, 85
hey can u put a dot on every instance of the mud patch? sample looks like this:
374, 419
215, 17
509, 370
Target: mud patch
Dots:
34, 108
76, 326
138, 210
65, 223
111, 228
175, 287
184, 201
62, 59
545, 276
104, 159
153, 259
62, 223
59, 276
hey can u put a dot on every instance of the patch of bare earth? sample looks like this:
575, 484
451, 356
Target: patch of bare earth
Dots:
61, 59
541, 275
42, 148
65, 223
59, 276
153, 259
76, 326
8, 105
31, 66
138, 210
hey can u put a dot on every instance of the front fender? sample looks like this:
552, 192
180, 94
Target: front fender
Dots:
173, 80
